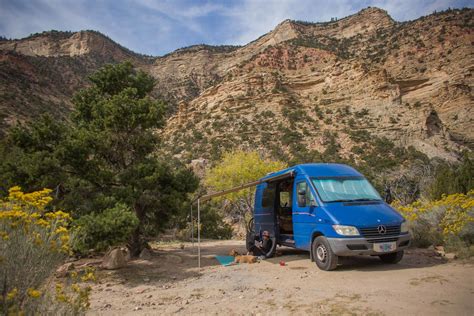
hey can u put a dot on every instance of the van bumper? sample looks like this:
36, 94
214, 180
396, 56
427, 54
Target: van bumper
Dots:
362, 246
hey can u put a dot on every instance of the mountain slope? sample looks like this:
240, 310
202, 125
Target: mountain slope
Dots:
41, 73
410, 82
301, 89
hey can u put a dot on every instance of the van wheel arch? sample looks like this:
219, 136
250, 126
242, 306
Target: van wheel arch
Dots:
313, 237
324, 257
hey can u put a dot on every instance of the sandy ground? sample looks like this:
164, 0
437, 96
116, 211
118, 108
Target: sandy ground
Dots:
170, 283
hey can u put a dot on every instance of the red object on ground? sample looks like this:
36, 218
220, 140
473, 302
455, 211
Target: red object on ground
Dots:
282, 263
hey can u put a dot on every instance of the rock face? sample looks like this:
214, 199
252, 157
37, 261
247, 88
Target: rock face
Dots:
60, 44
408, 82
114, 259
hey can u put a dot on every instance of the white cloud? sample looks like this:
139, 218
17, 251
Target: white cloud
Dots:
255, 18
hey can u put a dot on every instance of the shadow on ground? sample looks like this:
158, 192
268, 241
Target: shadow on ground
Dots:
169, 263
413, 258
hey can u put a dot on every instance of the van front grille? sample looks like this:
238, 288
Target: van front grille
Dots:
357, 247
384, 239
374, 232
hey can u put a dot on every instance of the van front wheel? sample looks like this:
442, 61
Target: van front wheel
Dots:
322, 253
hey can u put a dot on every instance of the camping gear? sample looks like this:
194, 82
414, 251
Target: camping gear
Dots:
225, 260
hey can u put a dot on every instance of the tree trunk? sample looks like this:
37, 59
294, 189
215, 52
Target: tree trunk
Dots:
137, 244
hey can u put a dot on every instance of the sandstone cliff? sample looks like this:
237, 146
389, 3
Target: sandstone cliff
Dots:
302, 85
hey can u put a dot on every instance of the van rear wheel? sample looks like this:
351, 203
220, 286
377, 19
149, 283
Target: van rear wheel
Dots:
393, 257
322, 253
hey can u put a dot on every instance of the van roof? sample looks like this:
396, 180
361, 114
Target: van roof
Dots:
319, 170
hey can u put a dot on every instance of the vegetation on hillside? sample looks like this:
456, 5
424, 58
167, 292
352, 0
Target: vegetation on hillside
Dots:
453, 178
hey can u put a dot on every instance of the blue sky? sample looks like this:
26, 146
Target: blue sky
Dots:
157, 27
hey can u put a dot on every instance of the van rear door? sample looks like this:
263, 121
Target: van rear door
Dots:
264, 213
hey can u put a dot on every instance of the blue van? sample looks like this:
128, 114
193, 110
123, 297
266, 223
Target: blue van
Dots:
330, 210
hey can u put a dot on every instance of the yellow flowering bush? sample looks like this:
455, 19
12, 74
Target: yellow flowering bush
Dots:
73, 294
24, 213
33, 242
437, 222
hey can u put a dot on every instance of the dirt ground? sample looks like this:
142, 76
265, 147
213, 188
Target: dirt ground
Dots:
170, 283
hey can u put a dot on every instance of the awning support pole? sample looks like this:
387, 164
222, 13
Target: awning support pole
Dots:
192, 226
199, 234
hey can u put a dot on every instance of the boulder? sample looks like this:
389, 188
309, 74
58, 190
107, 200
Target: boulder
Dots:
126, 253
450, 256
439, 250
114, 259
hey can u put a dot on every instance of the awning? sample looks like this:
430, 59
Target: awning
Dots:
287, 175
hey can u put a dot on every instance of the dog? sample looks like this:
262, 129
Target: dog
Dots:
238, 258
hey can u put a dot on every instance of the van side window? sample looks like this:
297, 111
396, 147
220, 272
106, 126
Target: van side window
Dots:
307, 198
285, 200
285, 190
268, 196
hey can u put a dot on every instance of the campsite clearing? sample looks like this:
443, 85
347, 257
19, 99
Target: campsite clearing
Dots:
170, 282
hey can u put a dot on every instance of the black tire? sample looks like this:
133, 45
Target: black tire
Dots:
322, 254
251, 226
272, 251
393, 257
250, 235
249, 240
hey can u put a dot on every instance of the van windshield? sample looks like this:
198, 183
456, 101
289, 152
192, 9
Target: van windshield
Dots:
344, 189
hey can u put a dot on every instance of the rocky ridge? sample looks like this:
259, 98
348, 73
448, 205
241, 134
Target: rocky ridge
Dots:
302, 87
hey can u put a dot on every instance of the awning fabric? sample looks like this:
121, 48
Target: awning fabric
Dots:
286, 175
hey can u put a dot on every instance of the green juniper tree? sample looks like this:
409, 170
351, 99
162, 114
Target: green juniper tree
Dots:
454, 178
104, 162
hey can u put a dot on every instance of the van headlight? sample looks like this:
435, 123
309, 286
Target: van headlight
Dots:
404, 227
346, 230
